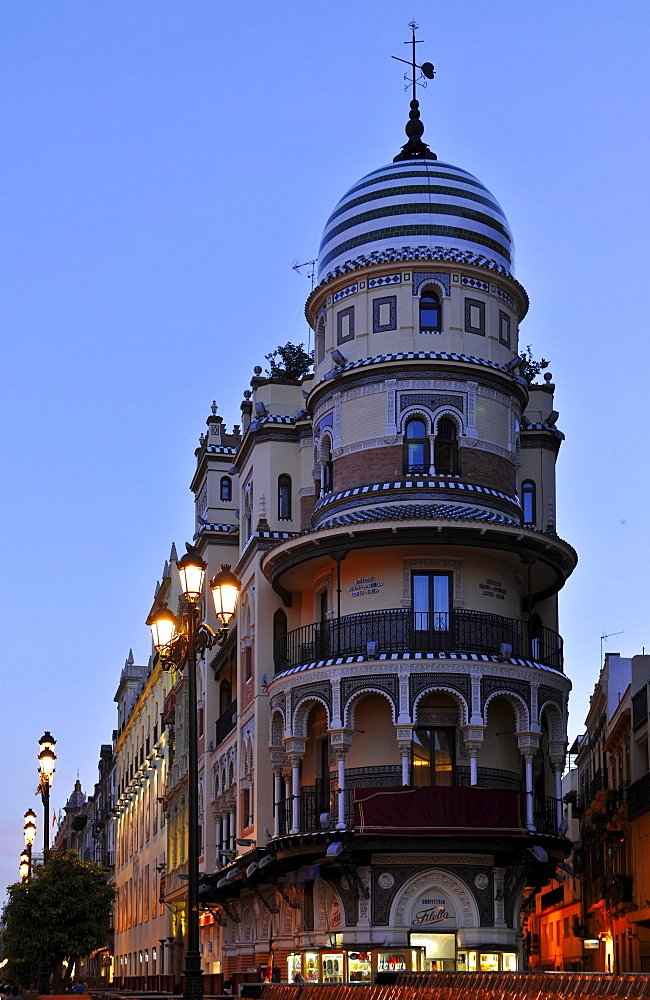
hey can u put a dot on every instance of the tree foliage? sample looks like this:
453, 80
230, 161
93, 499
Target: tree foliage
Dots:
63, 913
528, 367
290, 361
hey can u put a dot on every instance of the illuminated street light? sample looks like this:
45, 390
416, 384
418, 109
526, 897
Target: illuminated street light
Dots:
178, 641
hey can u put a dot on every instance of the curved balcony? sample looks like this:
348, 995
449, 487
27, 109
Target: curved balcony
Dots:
399, 630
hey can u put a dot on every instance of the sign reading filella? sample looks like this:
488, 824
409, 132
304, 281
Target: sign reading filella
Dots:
433, 911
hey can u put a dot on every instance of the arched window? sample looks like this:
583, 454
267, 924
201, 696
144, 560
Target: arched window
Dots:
284, 498
320, 340
445, 449
528, 501
327, 473
416, 447
430, 312
225, 488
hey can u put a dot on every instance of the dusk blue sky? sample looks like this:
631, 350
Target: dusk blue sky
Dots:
163, 164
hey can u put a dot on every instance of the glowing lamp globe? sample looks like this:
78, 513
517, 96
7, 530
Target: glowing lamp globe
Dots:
191, 570
225, 591
29, 828
163, 627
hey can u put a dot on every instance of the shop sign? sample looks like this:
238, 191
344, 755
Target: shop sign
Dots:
431, 910
365, 585
591, 944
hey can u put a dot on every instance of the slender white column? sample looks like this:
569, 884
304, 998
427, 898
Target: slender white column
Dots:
558, 796
217, 839
233, 828
473, 768
340, 763
406, 765
277, 795
295, 803
530, 823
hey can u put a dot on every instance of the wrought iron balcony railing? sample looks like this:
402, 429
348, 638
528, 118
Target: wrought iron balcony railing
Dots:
399, 630
226, 723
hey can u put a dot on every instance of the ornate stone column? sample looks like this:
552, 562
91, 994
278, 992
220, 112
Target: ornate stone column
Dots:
340, 741
528, 744
277, 792
473, 739
404, 743
295, 751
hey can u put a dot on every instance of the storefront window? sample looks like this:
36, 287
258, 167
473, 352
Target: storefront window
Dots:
509, 961
439, 951
393, 961
294, 967
311, 966
359, 967
333, 967
489, 961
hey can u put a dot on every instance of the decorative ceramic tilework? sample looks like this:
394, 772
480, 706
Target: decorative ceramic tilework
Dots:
386, 279
504, 295
421, 276
345, 325
475, 283
452, 255
432, 402
327, 421
350, 290
475, 316
389, 301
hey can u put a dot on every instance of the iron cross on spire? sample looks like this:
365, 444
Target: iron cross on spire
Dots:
426, 68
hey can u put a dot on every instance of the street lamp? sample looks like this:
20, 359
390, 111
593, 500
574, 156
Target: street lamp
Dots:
29, 830
46, 769
178, 641
24, 865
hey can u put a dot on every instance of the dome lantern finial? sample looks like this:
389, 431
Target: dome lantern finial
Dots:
415, 148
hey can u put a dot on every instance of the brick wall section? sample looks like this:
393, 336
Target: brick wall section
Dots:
485, 469
373, 465
307, 505
379, 465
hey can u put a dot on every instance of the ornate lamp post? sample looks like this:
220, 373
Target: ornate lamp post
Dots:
46, 769
29, 830
178, 641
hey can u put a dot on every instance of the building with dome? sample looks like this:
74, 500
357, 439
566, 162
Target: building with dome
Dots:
384, 732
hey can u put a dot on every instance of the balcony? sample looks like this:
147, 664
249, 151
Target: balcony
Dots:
409, 811
638, 797
399, 630
226, 723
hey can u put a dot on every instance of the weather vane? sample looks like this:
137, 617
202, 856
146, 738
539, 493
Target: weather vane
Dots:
426, 69
415, 148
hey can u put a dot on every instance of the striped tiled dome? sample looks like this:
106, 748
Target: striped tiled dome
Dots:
416, 203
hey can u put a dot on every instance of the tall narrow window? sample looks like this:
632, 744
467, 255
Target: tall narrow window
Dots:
504, 328
320, 340
327, 472
225, 488
416, 447
430, 312
433, 756
445, 449
431, 606
528, 501
284, 498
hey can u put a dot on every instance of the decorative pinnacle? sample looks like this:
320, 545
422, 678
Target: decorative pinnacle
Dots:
415, 148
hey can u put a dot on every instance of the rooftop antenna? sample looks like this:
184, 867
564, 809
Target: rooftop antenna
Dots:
311, 274
605, 638
415, 148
